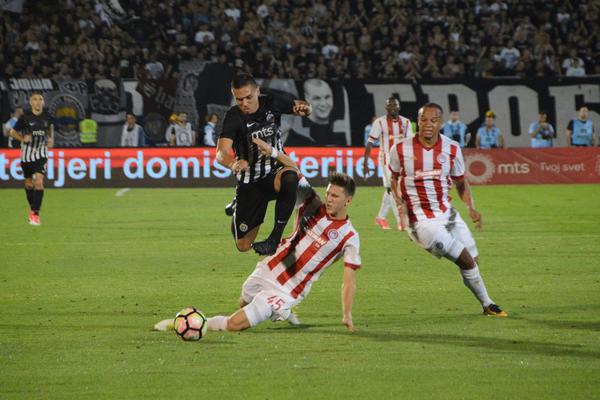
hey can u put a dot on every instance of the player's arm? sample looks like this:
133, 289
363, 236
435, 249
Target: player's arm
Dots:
16, 134
224, 156
373, 136
501, 140
464, 191
348, 291
478, 141
231, 125
533, 132
268, 150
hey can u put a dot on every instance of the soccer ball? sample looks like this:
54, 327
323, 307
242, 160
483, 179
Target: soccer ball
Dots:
190, 324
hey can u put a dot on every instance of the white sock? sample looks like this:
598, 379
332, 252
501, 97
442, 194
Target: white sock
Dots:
385, 206
394, 208
473, 280
218, 323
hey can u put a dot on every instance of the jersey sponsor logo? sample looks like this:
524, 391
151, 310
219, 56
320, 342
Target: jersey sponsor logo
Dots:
316, 237
428, 174
263, 133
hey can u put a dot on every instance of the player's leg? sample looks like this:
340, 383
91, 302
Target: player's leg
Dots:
28, 172
435, 237
469, 267
384, 209
38, 186
249, 214
285, 186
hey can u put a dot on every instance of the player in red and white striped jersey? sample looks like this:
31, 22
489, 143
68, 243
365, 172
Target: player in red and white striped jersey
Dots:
387, 129
423, 169
322, 235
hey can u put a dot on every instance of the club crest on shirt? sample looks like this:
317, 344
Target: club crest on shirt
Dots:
333, 234
243, 227
269, 116
442, 158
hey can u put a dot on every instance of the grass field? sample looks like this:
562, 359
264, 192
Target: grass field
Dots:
79, 295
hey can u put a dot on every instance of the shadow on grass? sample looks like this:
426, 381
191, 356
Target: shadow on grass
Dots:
488, 343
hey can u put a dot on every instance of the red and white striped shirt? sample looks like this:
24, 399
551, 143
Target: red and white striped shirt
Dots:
317, 242
426, 175
389, 131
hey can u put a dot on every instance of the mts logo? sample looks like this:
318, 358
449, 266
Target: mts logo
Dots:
512, 169
263, 133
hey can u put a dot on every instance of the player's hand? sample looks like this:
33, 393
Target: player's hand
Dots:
476, 218
347, 320
239, 166
27, 138
366, 170
302, 108
264, 147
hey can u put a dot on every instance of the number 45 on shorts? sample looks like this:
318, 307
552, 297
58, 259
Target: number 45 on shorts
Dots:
276, 302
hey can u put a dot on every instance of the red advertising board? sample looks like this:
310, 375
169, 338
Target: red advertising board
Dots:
197, 167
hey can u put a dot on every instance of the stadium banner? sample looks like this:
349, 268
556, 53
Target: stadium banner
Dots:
197, 167
341, 108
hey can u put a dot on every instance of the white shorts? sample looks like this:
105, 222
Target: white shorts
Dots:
266, 299
445, 236
386, 173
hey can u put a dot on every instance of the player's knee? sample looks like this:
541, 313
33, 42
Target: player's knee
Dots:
465, 261
28, 185
289, 181
243, 245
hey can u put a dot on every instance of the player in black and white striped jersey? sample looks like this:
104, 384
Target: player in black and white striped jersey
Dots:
260, 178
35, 131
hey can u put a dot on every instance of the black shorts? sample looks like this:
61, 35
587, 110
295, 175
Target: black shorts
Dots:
37, 166
252, 200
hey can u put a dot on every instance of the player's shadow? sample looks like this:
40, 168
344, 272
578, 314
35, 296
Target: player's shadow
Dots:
581, 325
488, 343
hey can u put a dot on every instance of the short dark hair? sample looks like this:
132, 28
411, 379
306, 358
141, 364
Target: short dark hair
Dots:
344, 181
242, 79
542, 112
432, 105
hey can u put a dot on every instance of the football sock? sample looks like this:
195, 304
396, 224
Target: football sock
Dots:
473, 280
385, 206
284, 206
218, 323
29, 193
36, 201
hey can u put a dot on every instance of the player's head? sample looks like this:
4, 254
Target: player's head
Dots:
392, 106
490, 118
130, 119
583, 112
339, 195
182, 117
245, 90
319, 95
453, 115
542, 116
36, 101
430, 120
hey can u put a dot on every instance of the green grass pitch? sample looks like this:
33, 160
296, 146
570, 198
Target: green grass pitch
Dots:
79, 295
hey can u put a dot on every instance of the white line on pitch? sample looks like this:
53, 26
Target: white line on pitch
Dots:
121, 192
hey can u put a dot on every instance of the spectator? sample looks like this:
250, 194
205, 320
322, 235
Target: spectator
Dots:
580, 131
572, 62
575, 68
488, 135
88, 131
181, 133
456, 129
210, 133
541, 132
132, 134
509, 56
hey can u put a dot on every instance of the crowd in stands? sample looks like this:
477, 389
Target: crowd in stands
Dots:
300, 39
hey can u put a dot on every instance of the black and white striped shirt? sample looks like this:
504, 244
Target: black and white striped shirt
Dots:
38, 126
264, 124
